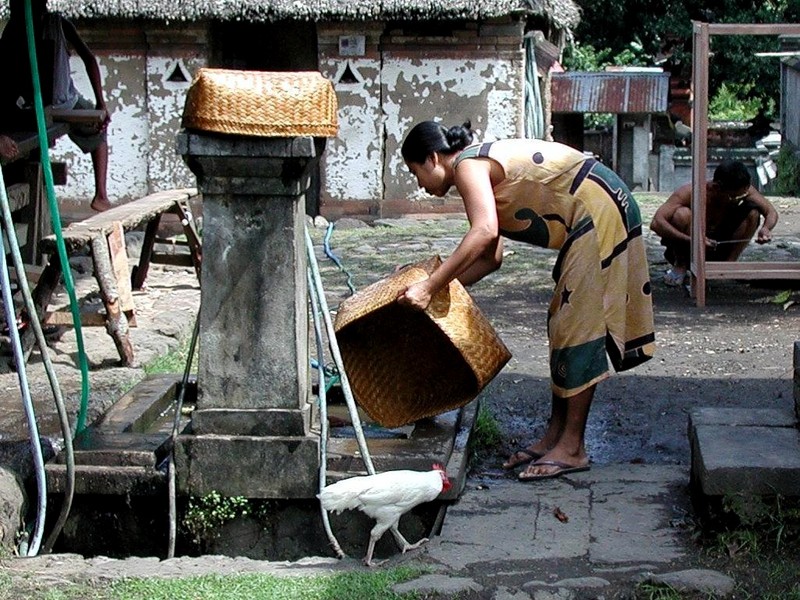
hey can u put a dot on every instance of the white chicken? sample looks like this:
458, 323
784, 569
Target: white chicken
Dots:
386, 497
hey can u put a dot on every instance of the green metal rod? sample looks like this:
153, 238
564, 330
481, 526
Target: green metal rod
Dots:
80, 422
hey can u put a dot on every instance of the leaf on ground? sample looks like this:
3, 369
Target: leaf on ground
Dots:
560, 515
782, 297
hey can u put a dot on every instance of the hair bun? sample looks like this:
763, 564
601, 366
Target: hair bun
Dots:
460, 136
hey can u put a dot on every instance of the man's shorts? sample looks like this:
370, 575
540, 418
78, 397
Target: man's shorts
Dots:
87, 137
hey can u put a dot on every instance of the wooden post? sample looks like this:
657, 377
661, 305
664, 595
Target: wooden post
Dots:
116, 322
699, 151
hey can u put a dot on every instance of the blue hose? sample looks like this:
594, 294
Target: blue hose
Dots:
329, 253
19, 359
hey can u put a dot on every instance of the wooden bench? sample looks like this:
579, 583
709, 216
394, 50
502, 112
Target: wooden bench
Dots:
104, 233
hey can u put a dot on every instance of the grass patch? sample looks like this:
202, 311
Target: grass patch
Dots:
652, 591
5, 584
486, 434
173, 361
9, 590
374, 585
757, 537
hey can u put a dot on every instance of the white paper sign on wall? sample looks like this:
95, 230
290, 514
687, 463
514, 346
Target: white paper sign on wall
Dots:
352, 45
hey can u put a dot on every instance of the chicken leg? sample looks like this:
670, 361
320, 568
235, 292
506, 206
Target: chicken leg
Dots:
403, 542
370, 548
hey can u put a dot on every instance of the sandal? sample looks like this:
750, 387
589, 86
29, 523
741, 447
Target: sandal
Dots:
520, 457
559, 469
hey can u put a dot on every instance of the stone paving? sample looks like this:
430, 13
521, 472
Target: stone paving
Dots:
588, 535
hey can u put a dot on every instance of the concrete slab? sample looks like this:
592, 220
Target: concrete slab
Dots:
106, 480
245, 465
511, 522
630, 524
615, 514
750, 460
738, 417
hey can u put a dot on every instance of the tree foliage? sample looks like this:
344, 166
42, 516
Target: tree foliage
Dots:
659, 32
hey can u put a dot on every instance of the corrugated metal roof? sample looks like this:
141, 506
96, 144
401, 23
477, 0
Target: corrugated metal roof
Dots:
609, 92
565, 14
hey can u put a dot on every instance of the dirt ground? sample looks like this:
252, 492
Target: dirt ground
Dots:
734, 352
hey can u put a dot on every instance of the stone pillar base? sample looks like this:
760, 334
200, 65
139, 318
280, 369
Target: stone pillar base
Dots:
248, 466
255, 421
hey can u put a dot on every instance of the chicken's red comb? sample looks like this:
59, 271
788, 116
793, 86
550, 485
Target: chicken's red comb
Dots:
438, 467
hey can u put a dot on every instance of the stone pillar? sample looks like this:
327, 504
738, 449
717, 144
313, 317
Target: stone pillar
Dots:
250, 432
796, 381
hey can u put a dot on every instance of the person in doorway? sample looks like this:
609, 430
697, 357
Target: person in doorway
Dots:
54, 36
550, 195
734, 209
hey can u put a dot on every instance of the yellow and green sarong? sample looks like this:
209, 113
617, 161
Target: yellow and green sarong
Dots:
555, 197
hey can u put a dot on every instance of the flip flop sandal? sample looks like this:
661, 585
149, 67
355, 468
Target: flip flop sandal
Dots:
561, 469
510, 464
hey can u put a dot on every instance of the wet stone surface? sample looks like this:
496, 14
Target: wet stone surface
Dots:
629, 516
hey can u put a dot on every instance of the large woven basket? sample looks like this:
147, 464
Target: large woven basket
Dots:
261, 103
403, 364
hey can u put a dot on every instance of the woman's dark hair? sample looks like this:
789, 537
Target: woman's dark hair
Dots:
428, 137
731, 176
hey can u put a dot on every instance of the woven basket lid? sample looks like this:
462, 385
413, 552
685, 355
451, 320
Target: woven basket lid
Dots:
403, 364
261, 103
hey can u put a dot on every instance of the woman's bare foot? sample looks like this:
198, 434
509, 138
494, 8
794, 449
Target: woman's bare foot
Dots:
100, 204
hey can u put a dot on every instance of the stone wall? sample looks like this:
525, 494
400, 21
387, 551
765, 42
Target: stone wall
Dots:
146, 72
389, 77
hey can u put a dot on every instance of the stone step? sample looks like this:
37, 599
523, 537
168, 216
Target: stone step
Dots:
745, 451
121, 453
92, 447
108, 480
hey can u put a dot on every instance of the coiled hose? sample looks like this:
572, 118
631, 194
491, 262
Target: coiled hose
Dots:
33, 431
30, 307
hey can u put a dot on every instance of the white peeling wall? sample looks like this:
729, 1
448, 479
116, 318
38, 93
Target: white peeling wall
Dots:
165, 99
353, 163
486, 92
128, 135
399, 76
146, 110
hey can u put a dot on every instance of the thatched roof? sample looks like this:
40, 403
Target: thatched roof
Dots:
565, 14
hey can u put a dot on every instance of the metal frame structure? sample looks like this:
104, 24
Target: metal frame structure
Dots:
700, 269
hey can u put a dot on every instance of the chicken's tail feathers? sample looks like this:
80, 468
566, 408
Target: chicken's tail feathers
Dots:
336, 502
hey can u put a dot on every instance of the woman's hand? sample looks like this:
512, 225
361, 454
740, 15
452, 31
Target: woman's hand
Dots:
416, 296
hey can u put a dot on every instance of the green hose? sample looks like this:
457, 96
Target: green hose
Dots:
80, 422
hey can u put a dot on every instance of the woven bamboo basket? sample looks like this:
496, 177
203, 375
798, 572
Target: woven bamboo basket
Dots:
261, 103
404, 365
